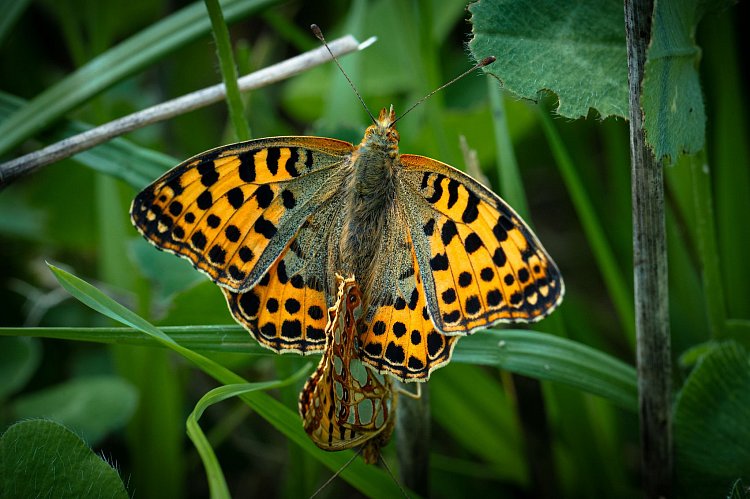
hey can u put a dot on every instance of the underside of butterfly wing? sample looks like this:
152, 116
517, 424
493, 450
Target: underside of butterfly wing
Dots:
345, 404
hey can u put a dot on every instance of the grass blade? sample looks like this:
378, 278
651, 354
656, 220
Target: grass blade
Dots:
548, 357
228, 70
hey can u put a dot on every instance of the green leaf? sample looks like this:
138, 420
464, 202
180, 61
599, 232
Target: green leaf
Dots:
674, 115
575, 51
92, 407
114, 65
538, 355
19, 358
45, 459
711, 431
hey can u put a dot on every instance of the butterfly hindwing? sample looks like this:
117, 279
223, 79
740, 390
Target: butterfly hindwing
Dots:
480, 263
233, 210
399, 337
285, 310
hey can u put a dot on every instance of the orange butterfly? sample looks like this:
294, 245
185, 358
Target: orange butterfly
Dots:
345, 404
436, 254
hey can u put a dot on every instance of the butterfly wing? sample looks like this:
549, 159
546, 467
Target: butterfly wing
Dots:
479, 262
345, 404
232, 211
241, 214
399, 338
285, 310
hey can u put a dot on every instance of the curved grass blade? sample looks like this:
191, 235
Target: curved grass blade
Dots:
217, 484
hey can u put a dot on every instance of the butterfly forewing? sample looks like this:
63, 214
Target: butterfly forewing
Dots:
480, 263
232, 211
241, 214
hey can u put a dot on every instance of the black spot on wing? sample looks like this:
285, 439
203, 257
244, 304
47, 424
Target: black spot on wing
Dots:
272, 160
247, 167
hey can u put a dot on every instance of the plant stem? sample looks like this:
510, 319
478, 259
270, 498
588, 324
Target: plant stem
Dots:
228, 70
413, 423
650, 271
713, 288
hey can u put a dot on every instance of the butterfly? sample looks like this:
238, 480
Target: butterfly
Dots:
437, 255
345, 404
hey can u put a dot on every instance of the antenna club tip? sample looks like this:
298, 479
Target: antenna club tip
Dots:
487, 61
316, 31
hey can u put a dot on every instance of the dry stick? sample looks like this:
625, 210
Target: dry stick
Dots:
29, 163
650, 272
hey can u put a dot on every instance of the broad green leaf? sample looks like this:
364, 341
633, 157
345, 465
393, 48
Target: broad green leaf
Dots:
92, 407
19, 358
675, 118
577, 51
711, 430
114, 65
45, 459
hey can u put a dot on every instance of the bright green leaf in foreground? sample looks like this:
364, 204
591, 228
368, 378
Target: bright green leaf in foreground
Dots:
45, 459
575, 50
711, 430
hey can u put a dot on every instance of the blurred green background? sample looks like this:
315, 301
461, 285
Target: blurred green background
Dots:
130, 403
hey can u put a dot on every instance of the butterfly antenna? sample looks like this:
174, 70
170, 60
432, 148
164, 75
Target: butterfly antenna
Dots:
319, 35
388, 468
359, 451
484, 62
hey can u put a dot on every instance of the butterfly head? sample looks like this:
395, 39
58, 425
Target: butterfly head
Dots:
383, 134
